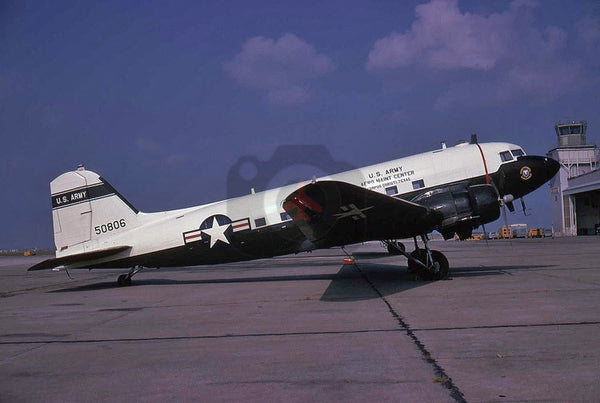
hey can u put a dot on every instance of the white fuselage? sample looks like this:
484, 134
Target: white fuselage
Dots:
164, 230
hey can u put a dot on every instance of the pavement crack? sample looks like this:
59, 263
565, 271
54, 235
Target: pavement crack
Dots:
440, 374
183, 338
507, 326
328, 382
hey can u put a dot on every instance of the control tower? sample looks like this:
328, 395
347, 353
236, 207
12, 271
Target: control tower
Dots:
570, 188
571, 134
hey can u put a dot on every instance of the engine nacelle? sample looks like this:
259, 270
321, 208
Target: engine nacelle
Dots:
462, 207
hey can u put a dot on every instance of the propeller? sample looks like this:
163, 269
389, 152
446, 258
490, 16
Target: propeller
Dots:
506, 201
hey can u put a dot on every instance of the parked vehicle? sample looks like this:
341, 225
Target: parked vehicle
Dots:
505, 232
536, 233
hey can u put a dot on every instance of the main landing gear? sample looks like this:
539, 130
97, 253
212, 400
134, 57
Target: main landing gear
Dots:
423, 263
124, 280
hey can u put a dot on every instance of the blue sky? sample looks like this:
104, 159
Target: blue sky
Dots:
164, 99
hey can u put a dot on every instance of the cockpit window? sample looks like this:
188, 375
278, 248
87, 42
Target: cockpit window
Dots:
506, 156
517, 153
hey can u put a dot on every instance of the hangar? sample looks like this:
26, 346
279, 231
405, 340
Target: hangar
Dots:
575, 190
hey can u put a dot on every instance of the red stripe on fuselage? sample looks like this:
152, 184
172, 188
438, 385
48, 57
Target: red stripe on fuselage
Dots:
487, 175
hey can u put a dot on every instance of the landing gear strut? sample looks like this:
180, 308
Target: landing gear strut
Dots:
424, 264
124, 280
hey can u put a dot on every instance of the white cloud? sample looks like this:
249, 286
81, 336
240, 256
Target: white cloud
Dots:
282, 68
493, 58
444, 38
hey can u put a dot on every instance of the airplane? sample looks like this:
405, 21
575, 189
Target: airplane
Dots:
452, 190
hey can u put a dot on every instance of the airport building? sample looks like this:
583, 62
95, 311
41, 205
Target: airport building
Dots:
575, 190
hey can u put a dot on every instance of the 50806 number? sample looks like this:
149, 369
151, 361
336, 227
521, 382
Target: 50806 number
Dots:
110, 226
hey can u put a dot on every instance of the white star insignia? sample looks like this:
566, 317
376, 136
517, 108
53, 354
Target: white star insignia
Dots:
217, 232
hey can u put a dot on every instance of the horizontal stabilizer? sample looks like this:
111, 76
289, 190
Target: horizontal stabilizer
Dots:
78, 258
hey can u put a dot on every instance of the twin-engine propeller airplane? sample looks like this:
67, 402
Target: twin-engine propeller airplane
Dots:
451, 190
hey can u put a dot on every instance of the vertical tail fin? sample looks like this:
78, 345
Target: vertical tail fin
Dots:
86, 207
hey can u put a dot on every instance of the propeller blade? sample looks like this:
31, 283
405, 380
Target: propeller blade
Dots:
485, 235
505, 219
524, 207
511, 206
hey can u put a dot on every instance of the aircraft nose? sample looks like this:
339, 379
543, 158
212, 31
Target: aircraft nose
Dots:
552, 167
528, 173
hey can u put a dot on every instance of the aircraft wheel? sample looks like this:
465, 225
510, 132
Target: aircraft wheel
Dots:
392, 250
124, 280
432, 274
444, 266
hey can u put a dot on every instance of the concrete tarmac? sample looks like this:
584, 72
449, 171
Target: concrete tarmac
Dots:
517, 321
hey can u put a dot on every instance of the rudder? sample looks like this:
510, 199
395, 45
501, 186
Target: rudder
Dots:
85, 207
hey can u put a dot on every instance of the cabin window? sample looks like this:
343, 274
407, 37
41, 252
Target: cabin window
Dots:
517, 153
285, 216
418, 184
260, 222
392, 190
506, 156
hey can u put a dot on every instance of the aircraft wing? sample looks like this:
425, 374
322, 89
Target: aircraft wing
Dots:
78, 258
338, 213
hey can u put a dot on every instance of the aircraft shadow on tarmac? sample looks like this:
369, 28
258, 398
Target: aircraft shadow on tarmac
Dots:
351, 283
376, 280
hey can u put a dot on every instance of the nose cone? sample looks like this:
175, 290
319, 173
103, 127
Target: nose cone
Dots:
552, 167
528, 173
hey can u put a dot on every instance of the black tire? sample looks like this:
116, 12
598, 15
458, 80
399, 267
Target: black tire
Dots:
444, 269
428, 275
